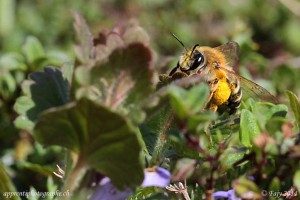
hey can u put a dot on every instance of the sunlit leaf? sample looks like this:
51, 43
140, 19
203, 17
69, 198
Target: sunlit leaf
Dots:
13, 61
248, 128
295, 105
33, 49
297, 180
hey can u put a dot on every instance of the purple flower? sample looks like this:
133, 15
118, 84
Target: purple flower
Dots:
106, 191
156, 176
230, 194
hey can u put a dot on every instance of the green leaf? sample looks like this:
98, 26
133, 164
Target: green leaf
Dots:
134, 33
67, 71
33, 49
45, 90
8, 85
7, 16
176, 97
44, 170
248, 128
32, 190
297, 180
197, 97
12, 61
102, 138
202, 120
266, 111
188, 102
22, 122
6, 185
127, 76
274, 185
295, 105
51, 186
245, 187
231, 155
122, 82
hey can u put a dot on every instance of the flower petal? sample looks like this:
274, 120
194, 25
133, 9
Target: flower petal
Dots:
158, 177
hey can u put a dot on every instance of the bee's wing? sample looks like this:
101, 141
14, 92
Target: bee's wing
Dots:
231, 50
254, 90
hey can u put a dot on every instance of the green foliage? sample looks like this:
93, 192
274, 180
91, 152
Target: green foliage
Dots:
188, 103
6, 184
33, 50
45, 90
105, 117
246, 188
297, 180
249, 128
100, 138
295, 105
124, 64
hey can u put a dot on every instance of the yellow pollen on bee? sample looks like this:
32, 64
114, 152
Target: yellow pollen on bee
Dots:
222, 93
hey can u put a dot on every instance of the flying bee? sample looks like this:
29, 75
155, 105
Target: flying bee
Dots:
216, 66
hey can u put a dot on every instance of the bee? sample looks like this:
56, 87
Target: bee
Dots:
216, 66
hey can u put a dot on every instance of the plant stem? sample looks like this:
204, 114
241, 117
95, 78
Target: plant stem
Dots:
74, 177
161, 143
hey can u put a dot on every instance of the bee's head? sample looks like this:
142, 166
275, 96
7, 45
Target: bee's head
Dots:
192, 61
202, 60
199, 59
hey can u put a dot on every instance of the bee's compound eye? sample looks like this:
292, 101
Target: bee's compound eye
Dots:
198, 61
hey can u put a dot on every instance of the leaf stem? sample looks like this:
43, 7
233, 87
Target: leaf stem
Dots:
73, 179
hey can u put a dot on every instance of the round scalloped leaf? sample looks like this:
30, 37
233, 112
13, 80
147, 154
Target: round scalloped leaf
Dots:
123, 82
45, 90
112, 41
135, 33
126, 78
102, 138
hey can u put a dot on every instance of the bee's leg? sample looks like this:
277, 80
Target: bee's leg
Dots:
213, 86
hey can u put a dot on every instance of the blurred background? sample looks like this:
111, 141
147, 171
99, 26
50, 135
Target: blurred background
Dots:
37, 33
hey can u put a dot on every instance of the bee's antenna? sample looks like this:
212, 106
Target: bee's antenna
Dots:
178, 40
196, 45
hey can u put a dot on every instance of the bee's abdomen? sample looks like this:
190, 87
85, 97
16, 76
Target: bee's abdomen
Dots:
235, 98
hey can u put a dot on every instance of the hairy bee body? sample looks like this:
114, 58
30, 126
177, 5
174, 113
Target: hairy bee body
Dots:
216, 66
235, 98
